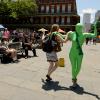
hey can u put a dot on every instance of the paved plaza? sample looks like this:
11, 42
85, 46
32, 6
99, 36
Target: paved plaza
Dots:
25, 80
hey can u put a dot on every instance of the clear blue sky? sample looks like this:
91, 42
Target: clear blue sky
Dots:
90, 6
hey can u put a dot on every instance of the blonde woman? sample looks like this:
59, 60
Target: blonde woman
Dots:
52, 57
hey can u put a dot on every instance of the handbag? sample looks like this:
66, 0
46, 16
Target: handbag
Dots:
61, 62
57, 48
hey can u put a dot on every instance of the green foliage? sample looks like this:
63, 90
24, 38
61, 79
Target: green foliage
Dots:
18, 8
4, 10
98, 24
92, 28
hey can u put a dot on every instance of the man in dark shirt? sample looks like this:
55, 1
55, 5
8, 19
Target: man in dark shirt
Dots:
27, 44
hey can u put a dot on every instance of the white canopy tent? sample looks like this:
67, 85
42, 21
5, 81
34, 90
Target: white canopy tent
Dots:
1, 26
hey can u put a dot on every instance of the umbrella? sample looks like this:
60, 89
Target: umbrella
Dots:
61, 31
1, 26
42, 30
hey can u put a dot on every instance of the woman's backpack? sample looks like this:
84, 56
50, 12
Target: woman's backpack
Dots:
48, 44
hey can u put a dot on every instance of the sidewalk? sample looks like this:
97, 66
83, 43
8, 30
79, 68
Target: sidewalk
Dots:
26, 80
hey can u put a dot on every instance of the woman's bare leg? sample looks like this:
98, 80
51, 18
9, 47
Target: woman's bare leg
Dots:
50, 67
54, 67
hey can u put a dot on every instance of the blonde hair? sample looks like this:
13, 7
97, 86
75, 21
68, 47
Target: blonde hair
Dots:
54, 28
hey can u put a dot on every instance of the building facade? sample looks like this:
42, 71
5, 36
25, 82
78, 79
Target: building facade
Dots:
62, 12
86, 22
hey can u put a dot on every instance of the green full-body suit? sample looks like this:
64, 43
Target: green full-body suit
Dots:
76, 53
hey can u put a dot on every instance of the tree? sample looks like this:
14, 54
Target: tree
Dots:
18, 8
97, 25
4, 10
22, 8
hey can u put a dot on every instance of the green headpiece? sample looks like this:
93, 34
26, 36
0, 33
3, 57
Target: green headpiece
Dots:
79, 28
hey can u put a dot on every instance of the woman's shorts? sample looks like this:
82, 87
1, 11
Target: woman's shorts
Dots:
52, 56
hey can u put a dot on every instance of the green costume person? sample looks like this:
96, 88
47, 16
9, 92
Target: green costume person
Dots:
76, 53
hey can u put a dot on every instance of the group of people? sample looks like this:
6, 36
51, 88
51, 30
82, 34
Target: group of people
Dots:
77, 38
27, 40
11, 53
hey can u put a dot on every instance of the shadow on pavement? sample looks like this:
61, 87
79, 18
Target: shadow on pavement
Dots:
54, 85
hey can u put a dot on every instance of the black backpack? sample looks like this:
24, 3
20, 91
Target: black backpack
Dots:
48, 43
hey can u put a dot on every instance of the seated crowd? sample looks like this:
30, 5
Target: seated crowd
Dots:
27, 43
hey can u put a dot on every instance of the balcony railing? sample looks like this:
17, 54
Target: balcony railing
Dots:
57, 13
54, 1
51, 24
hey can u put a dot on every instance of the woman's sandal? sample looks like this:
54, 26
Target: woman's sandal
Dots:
48, 77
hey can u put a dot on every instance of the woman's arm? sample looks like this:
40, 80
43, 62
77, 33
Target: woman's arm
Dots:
71, 36
62, 38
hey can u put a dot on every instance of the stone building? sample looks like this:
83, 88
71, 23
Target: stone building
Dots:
62, 12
